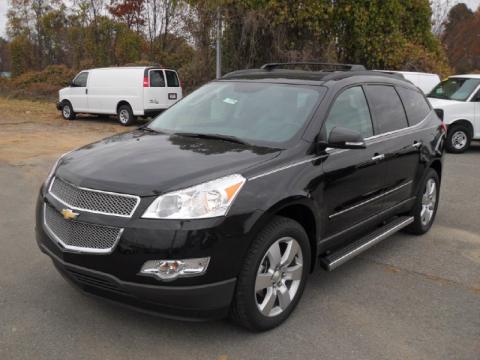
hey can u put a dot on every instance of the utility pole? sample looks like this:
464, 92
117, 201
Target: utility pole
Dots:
219, 43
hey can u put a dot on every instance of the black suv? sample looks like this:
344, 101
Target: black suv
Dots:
226, 202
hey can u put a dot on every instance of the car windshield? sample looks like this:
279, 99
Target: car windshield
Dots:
455, 89
255, 112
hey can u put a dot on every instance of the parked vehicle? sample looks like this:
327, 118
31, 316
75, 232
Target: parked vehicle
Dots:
125, 91
424, 81
457, 100
226, 202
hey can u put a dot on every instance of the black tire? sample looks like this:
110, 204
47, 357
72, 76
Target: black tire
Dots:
244, 307
67, 111
419, 227
458, 139
125, 115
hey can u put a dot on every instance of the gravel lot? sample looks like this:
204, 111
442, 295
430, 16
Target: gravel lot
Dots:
407, 298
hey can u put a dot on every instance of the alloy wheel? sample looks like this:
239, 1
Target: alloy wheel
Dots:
429, 200
279, 276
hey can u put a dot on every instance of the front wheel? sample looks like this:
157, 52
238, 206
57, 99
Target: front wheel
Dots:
67, 111
273, 276
426, 204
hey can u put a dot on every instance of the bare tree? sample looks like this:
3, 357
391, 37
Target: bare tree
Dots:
440, 9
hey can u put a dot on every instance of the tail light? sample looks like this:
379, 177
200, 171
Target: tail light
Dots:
145, 82
443, 126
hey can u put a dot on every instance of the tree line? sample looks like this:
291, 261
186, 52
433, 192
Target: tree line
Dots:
381, 34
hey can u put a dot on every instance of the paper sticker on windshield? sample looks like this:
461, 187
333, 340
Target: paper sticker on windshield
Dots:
230, 101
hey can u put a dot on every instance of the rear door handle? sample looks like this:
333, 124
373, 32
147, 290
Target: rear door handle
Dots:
378, 157
86, 91
416, 144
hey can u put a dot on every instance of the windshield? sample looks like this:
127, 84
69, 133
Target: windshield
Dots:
257, 113
455, 89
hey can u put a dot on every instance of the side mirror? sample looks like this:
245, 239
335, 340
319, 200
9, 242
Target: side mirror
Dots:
342, 138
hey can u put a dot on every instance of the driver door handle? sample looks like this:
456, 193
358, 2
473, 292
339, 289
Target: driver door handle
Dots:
378, 157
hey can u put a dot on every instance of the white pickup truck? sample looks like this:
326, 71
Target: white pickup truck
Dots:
457, 101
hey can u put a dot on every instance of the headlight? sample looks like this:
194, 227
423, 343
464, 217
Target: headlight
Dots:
207, 200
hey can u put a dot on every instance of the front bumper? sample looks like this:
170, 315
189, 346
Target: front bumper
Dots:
201, 302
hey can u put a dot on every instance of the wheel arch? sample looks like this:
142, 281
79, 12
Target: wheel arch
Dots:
123, 102
464, 122
437, 166
301, 210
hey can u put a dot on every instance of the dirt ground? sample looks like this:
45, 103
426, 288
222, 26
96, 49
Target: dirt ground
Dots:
36, 130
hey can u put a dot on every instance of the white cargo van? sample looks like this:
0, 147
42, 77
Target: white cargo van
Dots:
424, 81
125, 91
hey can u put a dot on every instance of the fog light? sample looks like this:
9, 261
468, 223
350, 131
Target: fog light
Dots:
168, 270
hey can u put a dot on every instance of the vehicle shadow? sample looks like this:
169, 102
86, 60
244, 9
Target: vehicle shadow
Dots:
109, 119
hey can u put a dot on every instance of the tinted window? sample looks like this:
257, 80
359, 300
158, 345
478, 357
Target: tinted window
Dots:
254, 112
81, 79
172, 79
389, 114
350, 111
455, 89
415, 105
156, 78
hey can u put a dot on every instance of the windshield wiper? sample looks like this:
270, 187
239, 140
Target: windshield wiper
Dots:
229, 138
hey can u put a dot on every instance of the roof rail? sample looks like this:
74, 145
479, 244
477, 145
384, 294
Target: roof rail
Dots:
326, 66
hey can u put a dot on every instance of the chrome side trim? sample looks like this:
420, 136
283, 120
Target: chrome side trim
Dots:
370, 200
98, 191
344, 258
77, 248
285, 167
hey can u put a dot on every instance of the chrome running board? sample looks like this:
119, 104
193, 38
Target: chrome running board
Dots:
341, 256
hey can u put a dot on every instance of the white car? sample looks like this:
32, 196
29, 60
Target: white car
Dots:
424, 81
125, 91
457, 101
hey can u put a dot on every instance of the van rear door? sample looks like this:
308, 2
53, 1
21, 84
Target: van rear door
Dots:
173, 86
161, 89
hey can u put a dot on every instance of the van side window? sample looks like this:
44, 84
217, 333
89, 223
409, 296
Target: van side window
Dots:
415, 105
350, 111
156, 78
81, 79
172, 79
388, 111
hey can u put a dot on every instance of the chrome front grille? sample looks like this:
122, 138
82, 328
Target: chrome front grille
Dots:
80, 236
95, 201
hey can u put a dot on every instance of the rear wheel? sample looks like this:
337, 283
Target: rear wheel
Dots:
426, 204
273, 276
458, 139
67, 111
125, 115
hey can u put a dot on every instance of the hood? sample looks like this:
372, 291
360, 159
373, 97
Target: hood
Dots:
146, 163
442, 103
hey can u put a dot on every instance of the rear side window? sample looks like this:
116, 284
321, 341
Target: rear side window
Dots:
350, 110
156, 78
81, 79
172, 79
389, 114
415, 104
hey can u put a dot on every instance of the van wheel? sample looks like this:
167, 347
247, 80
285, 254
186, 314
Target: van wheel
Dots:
458, 139
125, 115
273, 276
67, 111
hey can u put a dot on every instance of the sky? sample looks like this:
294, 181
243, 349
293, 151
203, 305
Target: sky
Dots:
473, 4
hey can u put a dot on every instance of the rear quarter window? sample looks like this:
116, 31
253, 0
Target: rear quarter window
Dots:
415, 104
389, 114
172, 79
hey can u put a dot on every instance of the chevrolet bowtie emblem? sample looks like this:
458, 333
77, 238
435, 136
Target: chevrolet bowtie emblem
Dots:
69, 214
